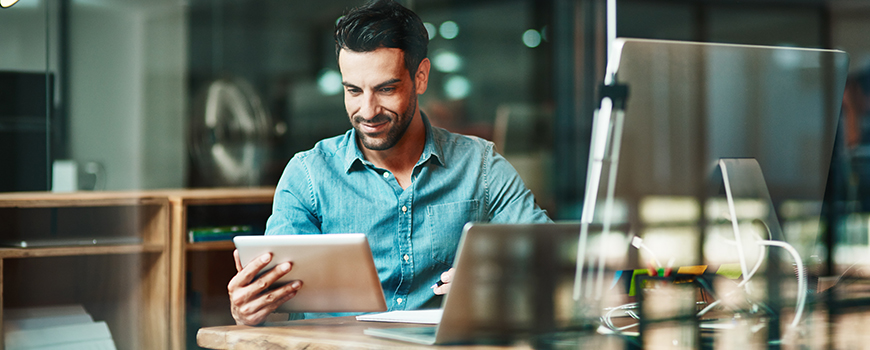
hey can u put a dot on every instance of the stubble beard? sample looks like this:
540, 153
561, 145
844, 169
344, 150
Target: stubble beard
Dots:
394, 134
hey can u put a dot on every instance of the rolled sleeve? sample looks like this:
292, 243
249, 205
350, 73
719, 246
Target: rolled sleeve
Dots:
510, 201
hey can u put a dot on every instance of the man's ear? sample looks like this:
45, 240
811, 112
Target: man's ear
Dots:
421, 78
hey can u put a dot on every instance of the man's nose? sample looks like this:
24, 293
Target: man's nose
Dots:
370, 106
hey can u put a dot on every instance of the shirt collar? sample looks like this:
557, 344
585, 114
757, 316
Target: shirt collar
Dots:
431, 150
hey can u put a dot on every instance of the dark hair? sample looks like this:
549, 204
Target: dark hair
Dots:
383, 23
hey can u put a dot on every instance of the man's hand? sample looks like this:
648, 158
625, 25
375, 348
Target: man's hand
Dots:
250, 301
446, 277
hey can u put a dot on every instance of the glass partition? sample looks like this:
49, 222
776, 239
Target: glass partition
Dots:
27, 90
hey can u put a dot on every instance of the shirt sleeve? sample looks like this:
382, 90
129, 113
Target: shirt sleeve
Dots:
508, 199
294, 204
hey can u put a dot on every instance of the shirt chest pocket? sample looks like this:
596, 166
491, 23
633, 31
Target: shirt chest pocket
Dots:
445, 227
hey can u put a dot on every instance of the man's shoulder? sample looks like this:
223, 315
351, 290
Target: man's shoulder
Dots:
327, 148
451, 140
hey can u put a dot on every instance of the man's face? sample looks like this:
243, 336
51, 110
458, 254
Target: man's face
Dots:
379, 95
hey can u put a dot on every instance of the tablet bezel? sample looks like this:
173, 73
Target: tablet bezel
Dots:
337, 270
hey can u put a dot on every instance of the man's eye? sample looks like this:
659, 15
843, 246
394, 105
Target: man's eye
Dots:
388, 89
354, 91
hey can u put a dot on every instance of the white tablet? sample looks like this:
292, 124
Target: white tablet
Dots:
337, 271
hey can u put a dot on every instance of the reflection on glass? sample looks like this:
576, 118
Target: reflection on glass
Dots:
668, 319
619, 213
660, 209
670, 246
720, 247
852, 246
229, 134
717, 209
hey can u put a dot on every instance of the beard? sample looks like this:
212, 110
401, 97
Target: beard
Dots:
399, 125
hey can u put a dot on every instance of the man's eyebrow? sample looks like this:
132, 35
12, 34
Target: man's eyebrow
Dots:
386, 83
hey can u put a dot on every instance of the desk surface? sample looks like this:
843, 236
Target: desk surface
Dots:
328, 333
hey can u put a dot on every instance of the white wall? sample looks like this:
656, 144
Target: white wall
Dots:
127, 92
22, 37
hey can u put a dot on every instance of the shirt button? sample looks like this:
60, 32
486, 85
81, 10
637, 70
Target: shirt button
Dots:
399, 300
406, 257
387, 175
404, 209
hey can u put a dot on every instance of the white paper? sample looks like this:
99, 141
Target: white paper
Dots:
432, 316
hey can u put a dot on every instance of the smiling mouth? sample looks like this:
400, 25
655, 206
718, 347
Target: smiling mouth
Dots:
373, 128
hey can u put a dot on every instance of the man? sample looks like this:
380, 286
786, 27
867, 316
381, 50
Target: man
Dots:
408, 186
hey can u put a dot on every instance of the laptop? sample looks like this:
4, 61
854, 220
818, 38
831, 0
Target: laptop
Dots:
512, 281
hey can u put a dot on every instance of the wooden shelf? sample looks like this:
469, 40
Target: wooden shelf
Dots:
78, 199
221, 196
142, 291
207, 246
125, 285
10, 253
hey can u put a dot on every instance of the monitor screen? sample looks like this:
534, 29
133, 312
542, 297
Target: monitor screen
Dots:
690, 105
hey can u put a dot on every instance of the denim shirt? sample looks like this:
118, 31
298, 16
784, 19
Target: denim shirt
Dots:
413, 232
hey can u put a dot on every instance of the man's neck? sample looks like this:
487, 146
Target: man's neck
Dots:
401, 158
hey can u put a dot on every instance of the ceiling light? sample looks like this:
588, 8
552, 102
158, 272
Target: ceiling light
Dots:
457, 87
329, 82
447, 61
449, 30
532, 38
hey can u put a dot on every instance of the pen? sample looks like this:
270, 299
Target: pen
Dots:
437, 284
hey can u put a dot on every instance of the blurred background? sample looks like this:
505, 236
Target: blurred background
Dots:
122, 95
129, 95
110, 95
116, 92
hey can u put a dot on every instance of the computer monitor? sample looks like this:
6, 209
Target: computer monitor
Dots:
659, 165
691, 104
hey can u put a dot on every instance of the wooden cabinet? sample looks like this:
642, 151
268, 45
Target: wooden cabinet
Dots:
152, 287
126, 285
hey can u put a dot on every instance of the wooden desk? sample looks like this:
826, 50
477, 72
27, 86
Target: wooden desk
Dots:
320, 334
